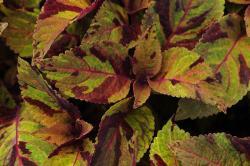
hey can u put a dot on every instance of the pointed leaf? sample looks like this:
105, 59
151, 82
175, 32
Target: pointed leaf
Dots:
185, 20
124, 135
56, 15
107, 24
226, 49
193, 109
152, 19
141, 92
184, 74
22, 139
95, 73
161, 153
147, 57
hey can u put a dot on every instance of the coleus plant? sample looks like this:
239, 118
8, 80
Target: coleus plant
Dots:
121, 52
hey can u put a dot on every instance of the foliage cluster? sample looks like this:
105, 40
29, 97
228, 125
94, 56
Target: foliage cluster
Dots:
116, 54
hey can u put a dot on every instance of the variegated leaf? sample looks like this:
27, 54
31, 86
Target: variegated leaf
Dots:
95, 73
107, 24
173, 146
124, 135
23, 140
161, 153
184, 21
57, 15
184, 74
225, 47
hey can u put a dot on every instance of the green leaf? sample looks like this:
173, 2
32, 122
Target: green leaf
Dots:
55, 17
18, 34
107, 24
161, 153
124, 135
193, 109
185, 20
225, 48
212, 149
95, 73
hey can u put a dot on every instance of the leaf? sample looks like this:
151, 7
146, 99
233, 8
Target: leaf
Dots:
240, 1
185, 20
18, 146
161, 153
76, 155
247, 20
124, 135
22, 139
107, 24
18, 34
184, 74
95, 73
147, 56
57, 15
193, 109
226, 49
135, 6
173, 146
141, 92
213, 149
152, 19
